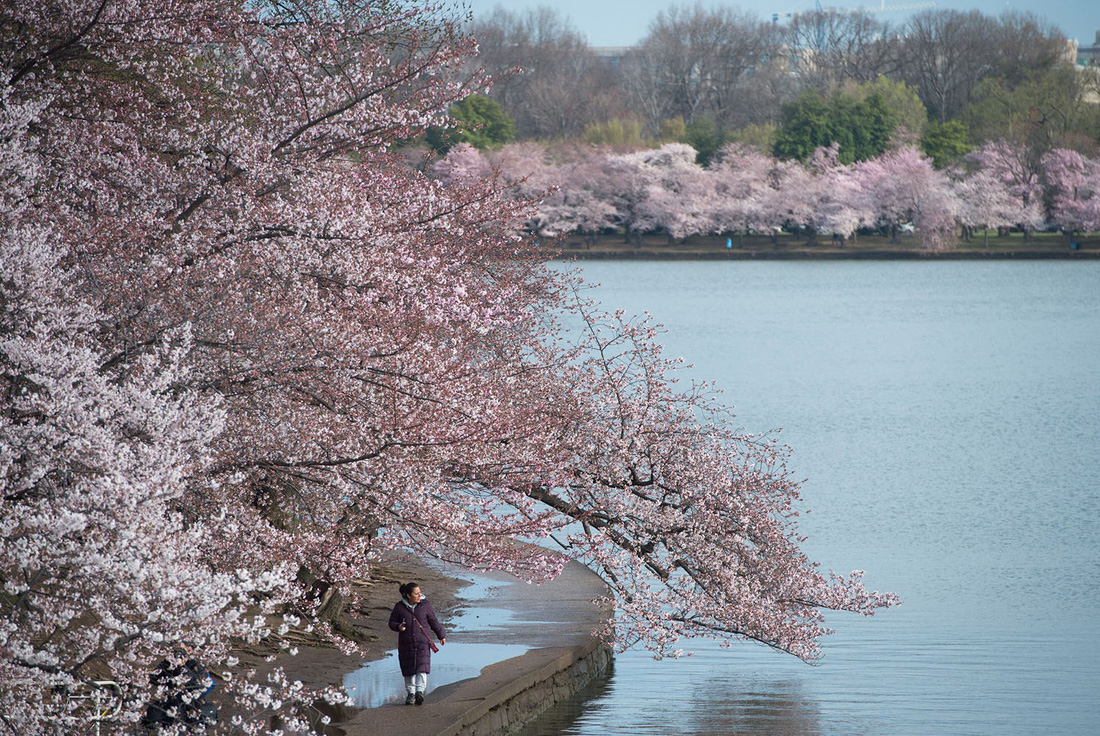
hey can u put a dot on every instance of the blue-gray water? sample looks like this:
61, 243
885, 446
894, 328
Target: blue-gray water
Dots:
946, 417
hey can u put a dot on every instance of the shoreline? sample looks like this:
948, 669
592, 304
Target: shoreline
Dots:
642, 254
555, 620
320, 666
868, 247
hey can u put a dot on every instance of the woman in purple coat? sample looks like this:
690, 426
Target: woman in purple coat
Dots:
411, 618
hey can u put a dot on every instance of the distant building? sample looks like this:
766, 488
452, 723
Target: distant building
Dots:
1089, 55
1069, 52
612, 55
1088, 63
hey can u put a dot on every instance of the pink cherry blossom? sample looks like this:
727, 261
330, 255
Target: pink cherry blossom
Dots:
1012, 164
241, 339
903, 187
1075, 181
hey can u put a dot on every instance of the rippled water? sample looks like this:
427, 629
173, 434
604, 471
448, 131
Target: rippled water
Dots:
946, 417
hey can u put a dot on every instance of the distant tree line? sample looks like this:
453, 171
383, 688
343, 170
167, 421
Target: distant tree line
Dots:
946, 81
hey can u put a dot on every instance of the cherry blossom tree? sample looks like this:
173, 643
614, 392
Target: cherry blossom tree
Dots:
790, 198
669, 506
581, 203
1014, 165
740, 177
631, 181
95, 464
904, 187
527, 174
524, 167
196, 177
680, 198
240, 340
842, 204
1075, 184
985, 201
590, 191
462, 163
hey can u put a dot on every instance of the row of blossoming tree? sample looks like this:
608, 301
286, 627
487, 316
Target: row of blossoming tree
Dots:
592, 191
241, 342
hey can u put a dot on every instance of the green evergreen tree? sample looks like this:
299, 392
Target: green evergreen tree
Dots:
902, 100
946, 143
706, 137
862, 128
804, 126
477, 120
878, 123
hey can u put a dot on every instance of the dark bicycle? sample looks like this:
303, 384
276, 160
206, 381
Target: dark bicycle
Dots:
187, 683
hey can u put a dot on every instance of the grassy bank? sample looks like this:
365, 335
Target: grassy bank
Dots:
787, 246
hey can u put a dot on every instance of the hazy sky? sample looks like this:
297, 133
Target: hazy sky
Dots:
624, 22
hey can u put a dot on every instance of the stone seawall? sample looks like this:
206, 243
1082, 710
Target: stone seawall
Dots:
521, 699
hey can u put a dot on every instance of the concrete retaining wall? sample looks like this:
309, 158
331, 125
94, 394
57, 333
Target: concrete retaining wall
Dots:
523, 699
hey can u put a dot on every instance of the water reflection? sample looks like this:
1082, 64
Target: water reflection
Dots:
764, 708
566, 716
706, 697
380, 682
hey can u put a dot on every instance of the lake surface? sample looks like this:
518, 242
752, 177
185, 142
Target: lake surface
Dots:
946, 418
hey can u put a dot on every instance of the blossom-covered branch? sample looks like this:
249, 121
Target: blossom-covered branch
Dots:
243, 345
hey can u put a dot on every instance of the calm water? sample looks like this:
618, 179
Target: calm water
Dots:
946, 417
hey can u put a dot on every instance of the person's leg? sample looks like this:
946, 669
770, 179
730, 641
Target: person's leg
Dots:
410, 689
420, 680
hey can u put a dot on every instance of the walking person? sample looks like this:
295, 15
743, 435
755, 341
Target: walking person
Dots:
412, 618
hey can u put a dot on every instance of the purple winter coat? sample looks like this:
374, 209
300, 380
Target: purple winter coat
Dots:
413, 652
